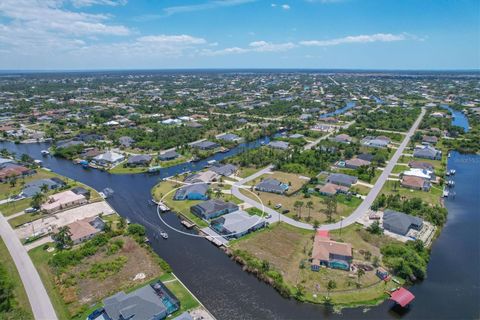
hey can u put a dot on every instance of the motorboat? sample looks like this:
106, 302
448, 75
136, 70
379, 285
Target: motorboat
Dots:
164, 234
45, 153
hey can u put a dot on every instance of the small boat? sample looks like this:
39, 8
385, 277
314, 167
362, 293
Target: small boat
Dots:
163, 207
38, 162
447, 173
452, 172
224, 150
210, 162
164, 234
449, 155
445, 193
45, 153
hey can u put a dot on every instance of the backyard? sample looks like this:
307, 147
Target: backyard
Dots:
433, 196
287, 250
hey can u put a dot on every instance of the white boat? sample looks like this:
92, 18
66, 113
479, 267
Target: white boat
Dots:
211, 161
164, 234
45, 152
453, 171
163, 207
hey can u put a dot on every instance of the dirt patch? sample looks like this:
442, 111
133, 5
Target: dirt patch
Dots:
89, 289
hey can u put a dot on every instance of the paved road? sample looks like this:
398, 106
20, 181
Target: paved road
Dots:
361, 209
312, 144
274, 215
37, 295
365, 205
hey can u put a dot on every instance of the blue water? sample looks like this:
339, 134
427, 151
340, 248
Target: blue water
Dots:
378, 100
347, 107
459, 119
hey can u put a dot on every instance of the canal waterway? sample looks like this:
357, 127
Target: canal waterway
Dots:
451, 290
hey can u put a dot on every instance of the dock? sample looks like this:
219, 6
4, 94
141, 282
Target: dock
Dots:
188, 225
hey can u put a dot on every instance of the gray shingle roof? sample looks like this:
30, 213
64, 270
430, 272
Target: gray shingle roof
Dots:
399, 222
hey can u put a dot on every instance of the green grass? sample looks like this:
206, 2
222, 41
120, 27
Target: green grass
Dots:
400, 168
7, 209
24, 218
21, 307
40, 259
187, 301
120, 169
247, 171
433, 196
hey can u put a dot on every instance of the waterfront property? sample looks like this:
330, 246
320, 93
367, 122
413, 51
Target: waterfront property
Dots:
421, 165
192, 192
427, 152
12, 170
281, 145
203, 176
342, 179
109, 158
85, 229
213, 208
225, 170
229, 137
329, 253
237, 224
151, 302
205, 145
168, 155
272, 185
139, 160
62, 200
415, 183
34, 187
400, 223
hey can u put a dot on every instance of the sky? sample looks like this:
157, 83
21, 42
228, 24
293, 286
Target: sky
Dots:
167, 34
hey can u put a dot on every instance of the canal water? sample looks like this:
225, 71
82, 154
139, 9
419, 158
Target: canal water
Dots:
349, 105
459, 119
451, 290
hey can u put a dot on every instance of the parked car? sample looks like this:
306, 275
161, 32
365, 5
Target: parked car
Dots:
31, 210
278, 206
285, 211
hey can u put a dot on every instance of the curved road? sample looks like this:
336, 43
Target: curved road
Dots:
42, 307
359, 211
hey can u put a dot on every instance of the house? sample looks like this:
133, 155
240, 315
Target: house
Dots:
205, 145
365, 156
108, 158
342, 179
416, 183
151, 302
330, 189
88, 137
305, 117
421, 173
225, 170
237, 224
91, 153
229, 137
62, 200
343, 138
192, 192
168, 155
400, 223
139, 160
203, 176
329, 253
356, 163
85, 229
375, 142
296, 136
429, 139
12, 170
421, 165
272, 185
427, 152
69, 143
126, 141
213, 208
282, 145
81, 191
33, 187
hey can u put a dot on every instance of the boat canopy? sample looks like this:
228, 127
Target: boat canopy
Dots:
402, 296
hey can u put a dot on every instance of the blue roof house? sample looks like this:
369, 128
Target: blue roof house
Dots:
192, 192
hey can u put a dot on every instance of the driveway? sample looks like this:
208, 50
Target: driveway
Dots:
42, 307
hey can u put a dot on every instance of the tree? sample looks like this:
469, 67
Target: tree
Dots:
309, 207
44, 188
330, 286
218, 193
122, 222
63, 237
37, 200
298, 206
331, 204
360, 274
209, 193
375, 228
13, 182
316, 224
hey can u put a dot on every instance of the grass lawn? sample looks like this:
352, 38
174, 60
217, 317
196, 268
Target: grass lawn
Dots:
293, 180
244, 172
76, 288
363, 190
433, 196
120, 169
187, 301
7, 190
7, 209
183, 207
21, 307
288, 248
400, 168
24, 218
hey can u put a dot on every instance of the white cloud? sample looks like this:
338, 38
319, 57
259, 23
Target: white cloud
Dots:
273, 5
378, 37
88, 3
204, 6
182, 39
285, 7
255, 46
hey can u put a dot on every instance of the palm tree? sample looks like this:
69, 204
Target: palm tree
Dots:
44, 188
63, 237
297, 205
309, 207
209, 193
360, 274
218, 193
37, 200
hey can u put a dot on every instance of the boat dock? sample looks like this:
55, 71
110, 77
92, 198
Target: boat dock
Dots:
187, 224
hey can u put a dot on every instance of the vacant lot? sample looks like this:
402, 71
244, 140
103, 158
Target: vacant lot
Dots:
288, 249
294, 181
96, 277
433, 196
